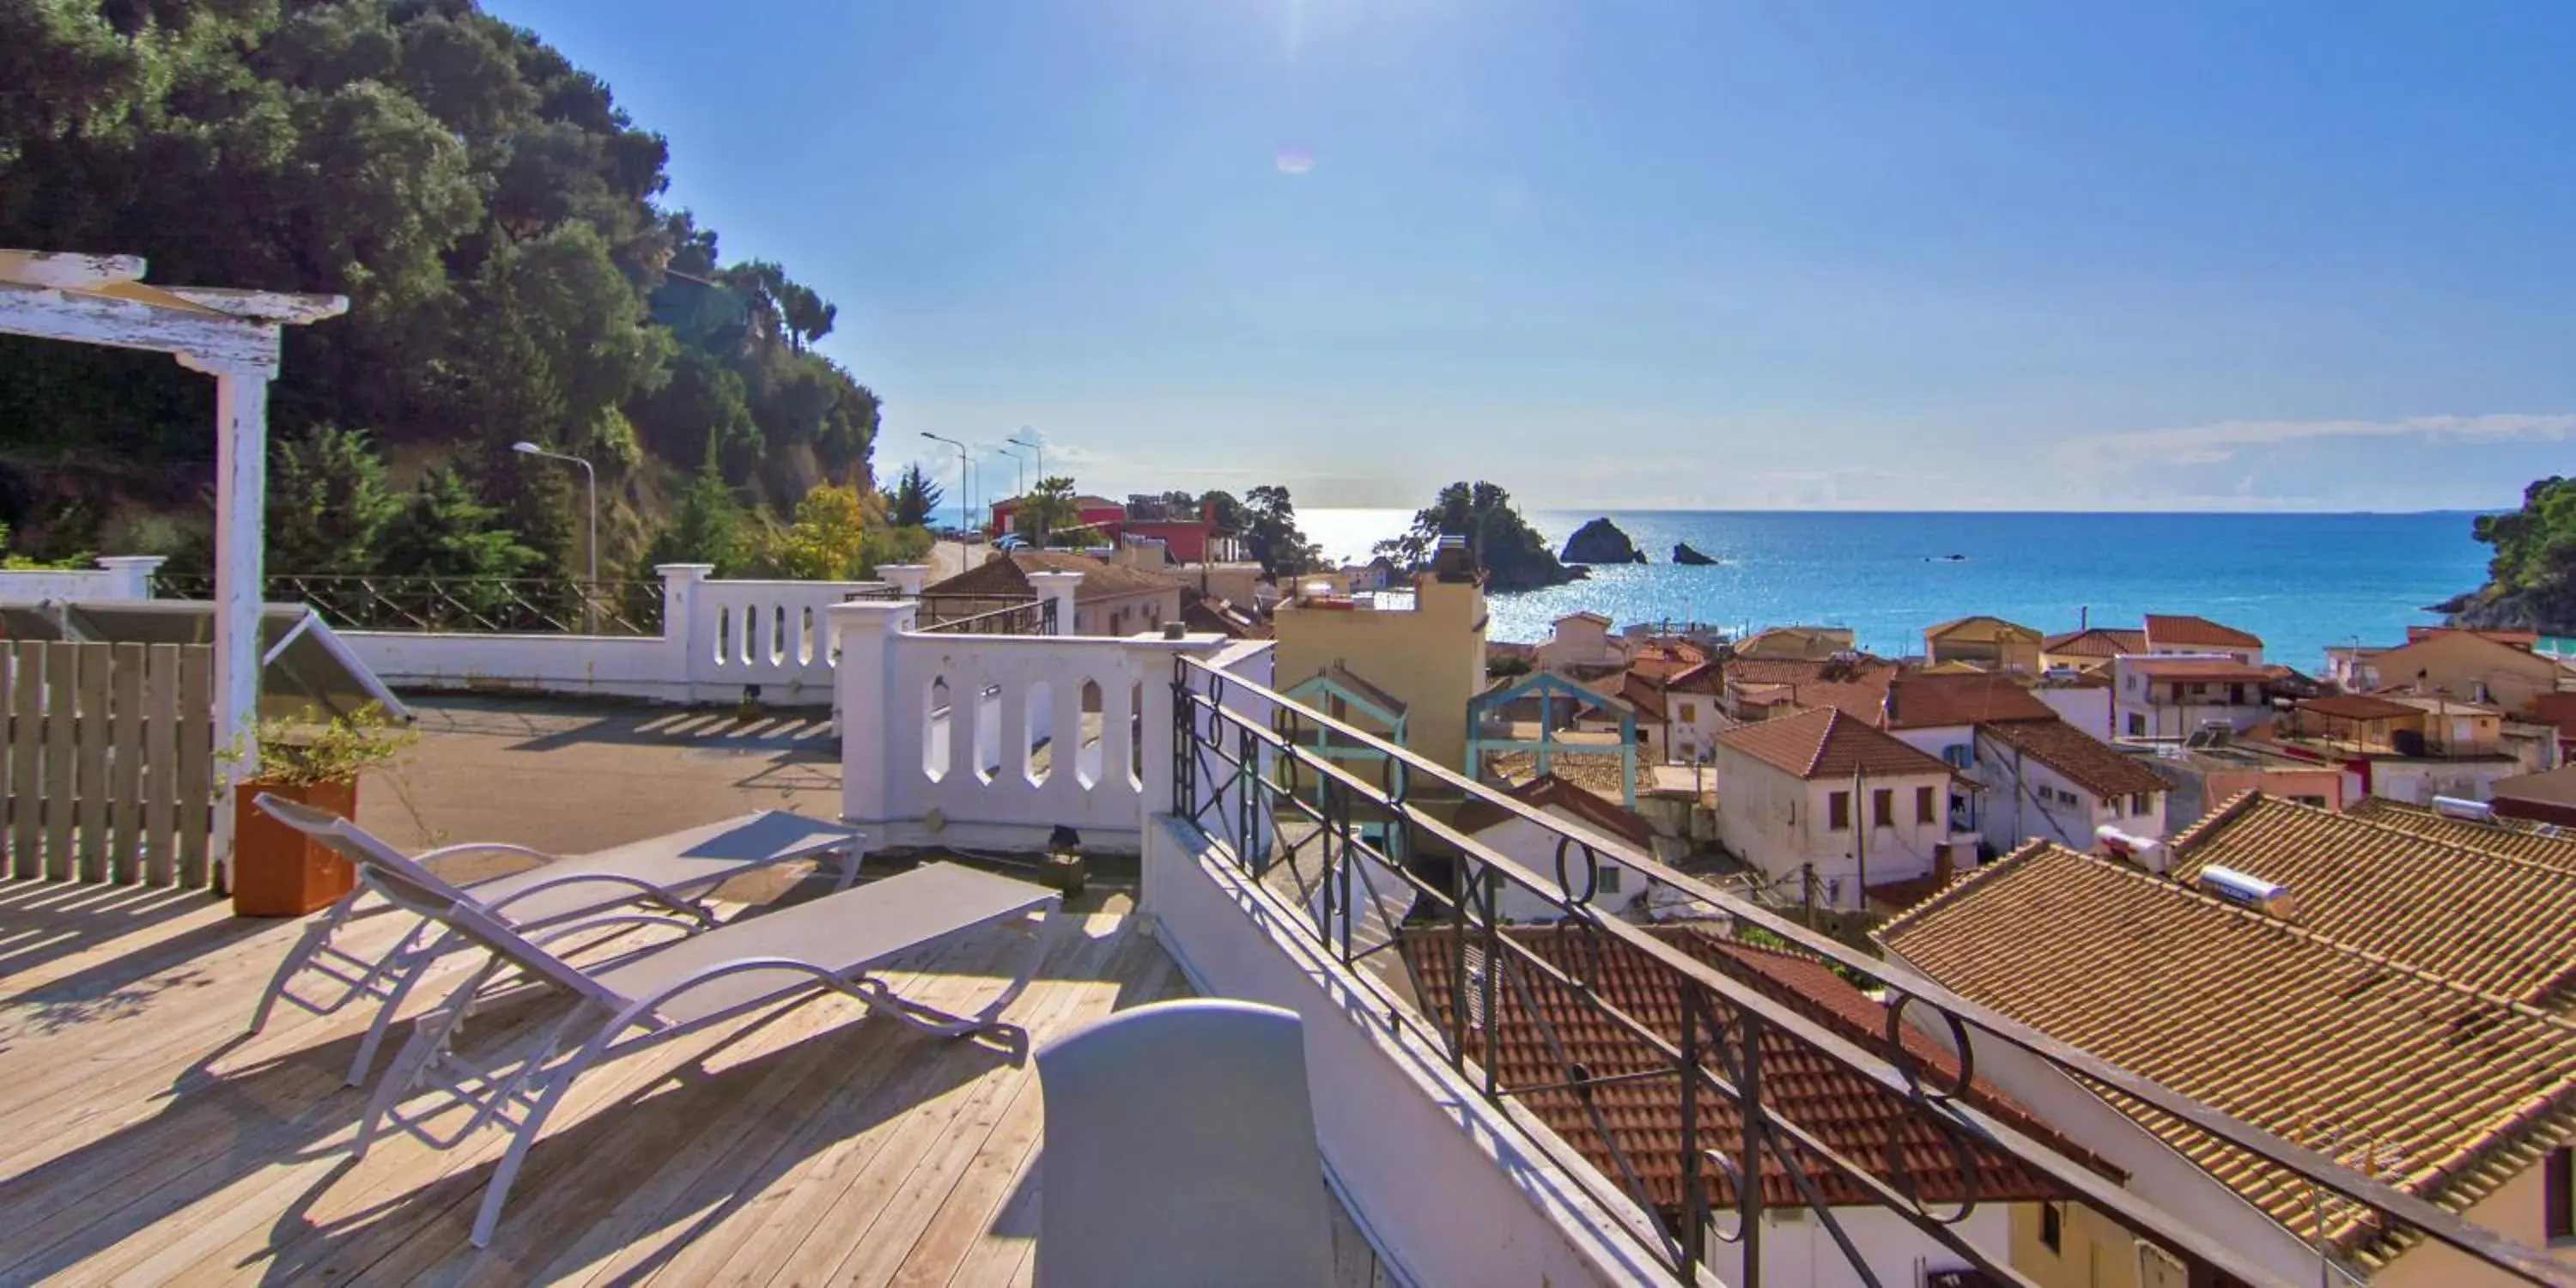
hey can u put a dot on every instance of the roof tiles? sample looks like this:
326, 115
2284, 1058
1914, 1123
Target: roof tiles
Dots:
1828, 744
2168, 630
2083, 759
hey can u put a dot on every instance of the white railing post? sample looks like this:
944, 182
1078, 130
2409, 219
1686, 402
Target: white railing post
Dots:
130, 576
682, 637
908, 578
865, 705
1058, 587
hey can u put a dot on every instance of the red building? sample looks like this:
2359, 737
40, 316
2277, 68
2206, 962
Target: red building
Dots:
1096, 511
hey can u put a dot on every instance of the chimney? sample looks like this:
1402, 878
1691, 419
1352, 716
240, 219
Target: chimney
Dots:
1942, 868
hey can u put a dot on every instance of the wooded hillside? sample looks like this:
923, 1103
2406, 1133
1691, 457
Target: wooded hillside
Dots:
489, 210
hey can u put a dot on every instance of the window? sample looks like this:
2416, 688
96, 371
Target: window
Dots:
1690, 712
1960, 755
2108, 804
2137, 725
2236, 695
1882, 807
2052, 1228
2558, 1195
1922, 804
1610, 873
1838, 811
2141, 802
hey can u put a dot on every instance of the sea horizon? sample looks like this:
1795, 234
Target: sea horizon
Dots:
2302, 580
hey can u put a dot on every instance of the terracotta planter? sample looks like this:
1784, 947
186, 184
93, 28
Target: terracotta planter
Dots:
277, 871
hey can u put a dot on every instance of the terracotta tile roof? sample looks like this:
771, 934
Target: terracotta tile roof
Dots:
2000, 626
2211, 670
2548, 787
1006, 577
1593, 771
2357, 706
2454, 1091
2099, 641
1707, 677
1920, 701
2554, 709
1548, 789
1828, 744
2168, 630
1859, 699
2089, 762
2498, 838
1850, 1113
1769, 670
2502, 925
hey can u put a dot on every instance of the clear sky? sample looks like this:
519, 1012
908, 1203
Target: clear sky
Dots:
1662, 252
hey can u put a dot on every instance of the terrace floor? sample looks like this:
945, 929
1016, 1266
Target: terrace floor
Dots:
143, 1139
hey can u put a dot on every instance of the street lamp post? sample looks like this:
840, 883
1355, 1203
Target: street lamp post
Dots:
965, 486
590, 477
1020, 462
1034, 448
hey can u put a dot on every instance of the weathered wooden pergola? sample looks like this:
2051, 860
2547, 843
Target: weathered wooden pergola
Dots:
232, 335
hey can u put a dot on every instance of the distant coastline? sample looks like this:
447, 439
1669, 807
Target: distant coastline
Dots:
2365, 573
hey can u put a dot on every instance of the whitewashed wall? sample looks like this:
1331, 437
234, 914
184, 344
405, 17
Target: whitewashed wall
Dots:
717, 638
1798, 1249
116, 577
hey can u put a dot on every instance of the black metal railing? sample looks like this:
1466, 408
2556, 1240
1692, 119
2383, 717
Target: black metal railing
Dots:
1032, 617
442, 605
1409, 905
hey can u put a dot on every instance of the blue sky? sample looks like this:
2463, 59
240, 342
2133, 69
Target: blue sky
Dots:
1661, 252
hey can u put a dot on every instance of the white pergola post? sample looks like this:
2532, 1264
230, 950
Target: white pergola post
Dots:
234, 337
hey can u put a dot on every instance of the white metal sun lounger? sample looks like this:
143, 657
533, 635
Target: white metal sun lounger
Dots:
829, 945
661, 879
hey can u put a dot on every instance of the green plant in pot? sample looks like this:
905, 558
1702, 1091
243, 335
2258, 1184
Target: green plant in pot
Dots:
315, 760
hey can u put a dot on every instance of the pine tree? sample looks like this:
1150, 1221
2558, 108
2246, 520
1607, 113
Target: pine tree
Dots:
710, 528
448, 531
328, 503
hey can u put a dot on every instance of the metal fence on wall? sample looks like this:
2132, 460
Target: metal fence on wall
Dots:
442, 605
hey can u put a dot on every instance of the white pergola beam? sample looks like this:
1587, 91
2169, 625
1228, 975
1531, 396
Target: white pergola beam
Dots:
232, 335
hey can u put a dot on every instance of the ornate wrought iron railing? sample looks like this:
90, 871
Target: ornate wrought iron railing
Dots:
1409, 904
1032, 617
456, 605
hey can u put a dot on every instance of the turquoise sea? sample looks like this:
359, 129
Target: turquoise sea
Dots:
2301, 581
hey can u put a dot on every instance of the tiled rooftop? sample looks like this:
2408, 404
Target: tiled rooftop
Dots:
1550, 790
2098, 641
2503, 926
2358, 706
2169, 630
1828, 744
2089, 762
1854, 1115
2446, 1090
2519, 840
2215, 670
1937, 701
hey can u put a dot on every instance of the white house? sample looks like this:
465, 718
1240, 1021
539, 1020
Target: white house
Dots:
2176, 696
1613, 885
1940, 715
2049, 780
1581, 640
1824, 792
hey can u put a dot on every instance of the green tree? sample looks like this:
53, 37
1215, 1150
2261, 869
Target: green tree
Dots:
829, 539
328, 503
1268, 525
1514, 555
710, 527
448, 531
1051, 509
914, 498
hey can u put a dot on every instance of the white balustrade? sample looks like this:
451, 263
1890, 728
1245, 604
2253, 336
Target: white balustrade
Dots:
996, 740
116, 577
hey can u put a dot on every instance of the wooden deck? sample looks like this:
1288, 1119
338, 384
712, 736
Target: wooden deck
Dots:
144, 1140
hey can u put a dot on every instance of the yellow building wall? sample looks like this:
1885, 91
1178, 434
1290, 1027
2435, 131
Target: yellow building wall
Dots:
2093, 1252
1431, 657
2514, 1211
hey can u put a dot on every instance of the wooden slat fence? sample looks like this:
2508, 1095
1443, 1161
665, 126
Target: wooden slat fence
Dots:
109, 762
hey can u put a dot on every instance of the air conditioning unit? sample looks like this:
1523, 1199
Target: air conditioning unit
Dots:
2464, 809
2247, 890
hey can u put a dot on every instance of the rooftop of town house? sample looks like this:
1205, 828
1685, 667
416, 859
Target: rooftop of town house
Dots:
1548, 790
1916, 700
2195, 669
2501, 836
811, 1144
1828, 744
2455, 1089
1981, 626
1006, 576
2096, 641
2081, 758
2358, 706
2183, 630
2489, 921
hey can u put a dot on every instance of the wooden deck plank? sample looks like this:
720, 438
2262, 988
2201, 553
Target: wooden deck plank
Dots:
808, 1142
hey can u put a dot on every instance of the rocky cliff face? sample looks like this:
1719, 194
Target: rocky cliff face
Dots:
2492, 609
1601, 542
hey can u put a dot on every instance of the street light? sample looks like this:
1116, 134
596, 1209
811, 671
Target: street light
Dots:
964, 486
1033, 447
590, 590
1017, 460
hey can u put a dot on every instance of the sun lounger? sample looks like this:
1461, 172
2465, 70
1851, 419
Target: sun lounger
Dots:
1180, 1149
829, 945
663, 879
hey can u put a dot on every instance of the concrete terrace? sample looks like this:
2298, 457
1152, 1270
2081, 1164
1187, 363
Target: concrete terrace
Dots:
144, 1140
